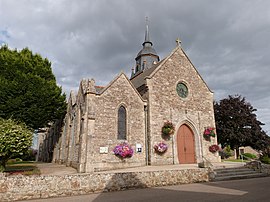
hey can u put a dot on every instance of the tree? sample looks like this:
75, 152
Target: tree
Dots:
15, 139
29, 92
237, 124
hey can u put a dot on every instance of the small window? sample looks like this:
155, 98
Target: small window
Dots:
137, 68
122, 123
182, 90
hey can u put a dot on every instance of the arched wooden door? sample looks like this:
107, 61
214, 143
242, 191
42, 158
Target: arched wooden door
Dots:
185, 145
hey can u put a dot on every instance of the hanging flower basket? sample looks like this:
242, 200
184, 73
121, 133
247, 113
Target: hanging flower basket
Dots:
168, 128
161, 147
123, 150
214, 148
209, 132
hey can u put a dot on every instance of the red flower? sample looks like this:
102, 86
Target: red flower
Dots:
214, 148
209, 132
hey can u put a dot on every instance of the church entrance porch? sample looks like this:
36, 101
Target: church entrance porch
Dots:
185, 145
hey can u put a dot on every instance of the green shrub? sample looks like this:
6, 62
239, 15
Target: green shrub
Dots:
249, 156
265, 159
18, 159
30, 155
15, 139
226, 152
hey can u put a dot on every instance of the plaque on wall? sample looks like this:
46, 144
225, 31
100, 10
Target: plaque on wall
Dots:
103, 150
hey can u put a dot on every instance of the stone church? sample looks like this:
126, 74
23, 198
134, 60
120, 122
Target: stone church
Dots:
133, 111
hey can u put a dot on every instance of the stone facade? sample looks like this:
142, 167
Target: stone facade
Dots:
196, 111
90, 127
47, 139
15, 188
90, 130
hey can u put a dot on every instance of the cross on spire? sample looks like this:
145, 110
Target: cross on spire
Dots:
178, 42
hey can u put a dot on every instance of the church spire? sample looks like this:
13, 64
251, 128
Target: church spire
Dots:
147, 56
147, 35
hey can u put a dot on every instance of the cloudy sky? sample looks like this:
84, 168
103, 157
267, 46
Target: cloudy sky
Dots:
228, 41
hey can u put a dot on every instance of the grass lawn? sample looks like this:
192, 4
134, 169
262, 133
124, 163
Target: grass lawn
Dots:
235, 160
22, 167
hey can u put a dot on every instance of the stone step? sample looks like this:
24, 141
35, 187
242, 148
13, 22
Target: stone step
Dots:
231, 169
235, 173
237, 177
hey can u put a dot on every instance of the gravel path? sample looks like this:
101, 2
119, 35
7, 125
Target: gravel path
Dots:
55, 169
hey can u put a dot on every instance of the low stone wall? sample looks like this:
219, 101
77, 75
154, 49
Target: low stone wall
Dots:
257, 165
265, 168
14, 188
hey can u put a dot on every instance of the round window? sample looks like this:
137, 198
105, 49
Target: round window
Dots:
182, 90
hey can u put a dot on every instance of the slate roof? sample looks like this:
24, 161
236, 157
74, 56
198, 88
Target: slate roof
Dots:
139, 79
147, 50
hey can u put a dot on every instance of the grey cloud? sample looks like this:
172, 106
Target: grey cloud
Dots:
227, 41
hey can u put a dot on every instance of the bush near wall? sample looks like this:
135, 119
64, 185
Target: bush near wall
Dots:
265, 159
248, 156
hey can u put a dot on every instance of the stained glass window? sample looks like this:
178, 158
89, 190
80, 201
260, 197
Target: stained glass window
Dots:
122, 123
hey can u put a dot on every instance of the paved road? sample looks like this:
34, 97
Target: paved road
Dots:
256, 189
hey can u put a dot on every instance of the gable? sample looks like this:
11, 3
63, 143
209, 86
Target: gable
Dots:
179, 58
120, 82
163, 84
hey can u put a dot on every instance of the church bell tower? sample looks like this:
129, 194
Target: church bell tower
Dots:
147, 57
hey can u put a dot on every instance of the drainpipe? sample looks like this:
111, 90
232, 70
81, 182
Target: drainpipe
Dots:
200, 138
146, 134
173, 149
172, 139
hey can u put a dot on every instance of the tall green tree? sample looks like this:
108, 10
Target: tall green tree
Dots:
237, 124
29, 92
15, 139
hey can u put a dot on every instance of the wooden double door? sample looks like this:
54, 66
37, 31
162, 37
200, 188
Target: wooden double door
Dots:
185, 145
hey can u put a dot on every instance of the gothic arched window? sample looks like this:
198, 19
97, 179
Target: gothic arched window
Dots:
122, 123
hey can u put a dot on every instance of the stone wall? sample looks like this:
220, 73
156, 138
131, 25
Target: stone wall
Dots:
265, 168
14, 188
47, 139
258, 165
